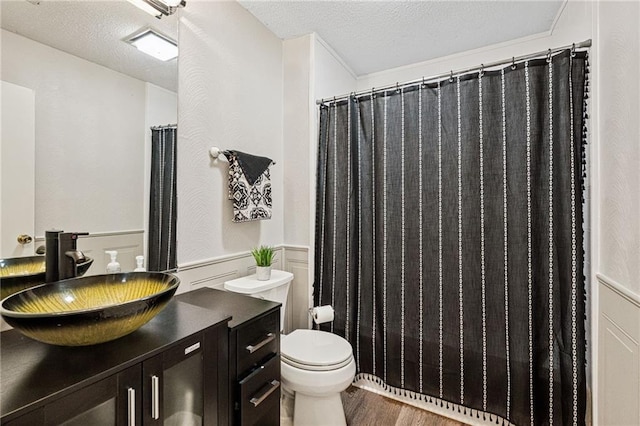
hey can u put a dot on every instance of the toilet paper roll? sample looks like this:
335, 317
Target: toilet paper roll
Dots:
322, 314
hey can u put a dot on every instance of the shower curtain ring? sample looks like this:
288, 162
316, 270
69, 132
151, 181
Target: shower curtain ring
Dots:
549, 55
513, 62
397, 87
451, 77
573, 50
373, 95
423, 83
481, 73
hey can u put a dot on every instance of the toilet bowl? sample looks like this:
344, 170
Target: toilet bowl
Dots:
315, 365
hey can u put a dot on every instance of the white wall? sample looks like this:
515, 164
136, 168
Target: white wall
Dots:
617, 209
89, 138
619, 155
312, 70
297, 63
230, 96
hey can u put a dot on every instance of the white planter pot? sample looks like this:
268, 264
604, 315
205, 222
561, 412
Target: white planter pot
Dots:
263, 273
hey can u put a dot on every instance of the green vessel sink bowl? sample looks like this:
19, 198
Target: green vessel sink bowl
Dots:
89, 310
18, 273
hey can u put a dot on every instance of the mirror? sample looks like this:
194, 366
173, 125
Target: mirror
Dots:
95, 98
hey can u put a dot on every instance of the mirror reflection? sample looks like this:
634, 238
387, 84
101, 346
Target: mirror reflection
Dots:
78, 102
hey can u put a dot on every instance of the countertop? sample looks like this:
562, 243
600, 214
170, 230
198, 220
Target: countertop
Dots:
31, 371
242, 308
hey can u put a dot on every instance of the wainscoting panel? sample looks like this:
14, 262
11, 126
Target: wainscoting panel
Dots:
299, 301
619, 355
214, 272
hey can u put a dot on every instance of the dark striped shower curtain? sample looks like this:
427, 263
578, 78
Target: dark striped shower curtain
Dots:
449, 238
163, 200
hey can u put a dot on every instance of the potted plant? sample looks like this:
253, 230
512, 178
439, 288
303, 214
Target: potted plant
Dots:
264, 258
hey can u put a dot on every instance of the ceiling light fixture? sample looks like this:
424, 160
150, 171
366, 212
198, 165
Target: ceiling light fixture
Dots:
155, 44
158, 8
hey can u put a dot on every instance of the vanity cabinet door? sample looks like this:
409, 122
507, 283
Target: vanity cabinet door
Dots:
180, 384
111, 401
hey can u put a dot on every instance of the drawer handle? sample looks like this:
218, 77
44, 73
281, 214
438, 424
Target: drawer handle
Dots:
131, 405
270, 338
273, 385
155, 397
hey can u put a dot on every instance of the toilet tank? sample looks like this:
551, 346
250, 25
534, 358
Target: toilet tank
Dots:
275, 289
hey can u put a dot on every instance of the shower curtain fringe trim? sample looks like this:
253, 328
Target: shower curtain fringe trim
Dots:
452, 74
426, 400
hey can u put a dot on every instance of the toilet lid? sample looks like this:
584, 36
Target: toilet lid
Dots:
314, 348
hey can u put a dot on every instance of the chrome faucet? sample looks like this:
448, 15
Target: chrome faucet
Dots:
62, 255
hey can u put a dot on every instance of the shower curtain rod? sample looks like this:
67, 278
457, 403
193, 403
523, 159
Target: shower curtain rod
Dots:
513, 60
166, 126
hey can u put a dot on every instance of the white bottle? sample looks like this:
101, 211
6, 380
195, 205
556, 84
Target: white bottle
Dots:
139, 264
113, 266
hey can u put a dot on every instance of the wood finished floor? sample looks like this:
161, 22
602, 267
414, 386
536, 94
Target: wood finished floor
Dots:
364, 408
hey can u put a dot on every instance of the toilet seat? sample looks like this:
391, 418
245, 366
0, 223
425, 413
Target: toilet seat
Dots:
314, 350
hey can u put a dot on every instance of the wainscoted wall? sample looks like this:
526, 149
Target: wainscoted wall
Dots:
129, 244
619, 354
214, 272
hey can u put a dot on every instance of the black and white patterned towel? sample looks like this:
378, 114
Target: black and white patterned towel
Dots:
249, 186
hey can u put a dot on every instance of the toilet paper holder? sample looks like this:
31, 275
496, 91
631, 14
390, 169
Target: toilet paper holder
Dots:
314, 319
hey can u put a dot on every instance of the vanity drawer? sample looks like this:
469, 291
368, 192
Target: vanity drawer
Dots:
260, 395
257, 341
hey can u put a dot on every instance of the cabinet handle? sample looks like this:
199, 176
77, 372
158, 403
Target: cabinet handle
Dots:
155, 397
273, 385
270, 338
131, 407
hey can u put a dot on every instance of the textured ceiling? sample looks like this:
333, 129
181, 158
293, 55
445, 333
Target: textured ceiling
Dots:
373, 36
94, 30
369, 36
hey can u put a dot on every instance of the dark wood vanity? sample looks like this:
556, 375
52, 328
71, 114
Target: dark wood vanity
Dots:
209, 357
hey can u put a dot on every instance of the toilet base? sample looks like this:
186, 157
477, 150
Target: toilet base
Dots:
318, 410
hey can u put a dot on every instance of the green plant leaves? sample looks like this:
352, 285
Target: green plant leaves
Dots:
263, 255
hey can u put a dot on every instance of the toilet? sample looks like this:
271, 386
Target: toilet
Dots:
315, 365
